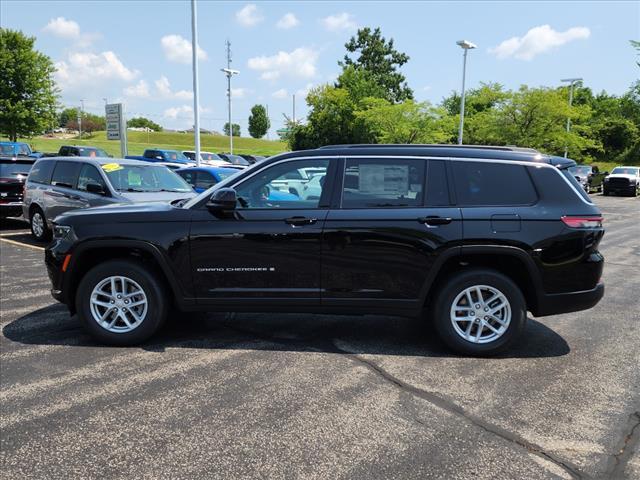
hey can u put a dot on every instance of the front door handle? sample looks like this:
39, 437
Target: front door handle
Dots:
433, 221
299, 221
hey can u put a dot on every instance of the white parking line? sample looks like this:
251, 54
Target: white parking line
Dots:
20, 244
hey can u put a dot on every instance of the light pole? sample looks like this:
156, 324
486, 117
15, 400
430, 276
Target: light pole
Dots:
194, 63
572, 82
229, 73
80, 118
466, 46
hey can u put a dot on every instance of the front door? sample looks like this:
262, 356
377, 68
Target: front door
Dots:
268, 250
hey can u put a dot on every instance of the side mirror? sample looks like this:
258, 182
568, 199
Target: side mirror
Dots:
95, 188
223, 199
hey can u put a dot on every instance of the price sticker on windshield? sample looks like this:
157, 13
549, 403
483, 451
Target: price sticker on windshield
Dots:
112, 167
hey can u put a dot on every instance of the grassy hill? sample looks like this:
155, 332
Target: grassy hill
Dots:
139, 141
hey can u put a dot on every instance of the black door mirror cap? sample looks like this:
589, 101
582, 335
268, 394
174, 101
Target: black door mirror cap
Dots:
223, 199
95, 188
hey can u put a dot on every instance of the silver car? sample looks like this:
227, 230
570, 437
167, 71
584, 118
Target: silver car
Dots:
56, 185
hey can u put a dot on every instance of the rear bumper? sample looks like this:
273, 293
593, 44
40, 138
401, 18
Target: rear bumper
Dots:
557, 303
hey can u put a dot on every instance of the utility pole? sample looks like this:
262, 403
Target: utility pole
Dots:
80, 118
572, 82
294, 108
229, 73
194, 62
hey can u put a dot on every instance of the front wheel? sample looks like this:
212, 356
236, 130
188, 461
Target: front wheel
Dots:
39, 228
121, 302
479, 312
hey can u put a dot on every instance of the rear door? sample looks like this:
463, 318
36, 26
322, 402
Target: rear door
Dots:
393, 219
61, 195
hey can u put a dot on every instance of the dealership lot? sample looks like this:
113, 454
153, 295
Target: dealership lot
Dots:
271, 395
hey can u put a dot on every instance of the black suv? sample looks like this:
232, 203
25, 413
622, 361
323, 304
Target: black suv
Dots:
470, 238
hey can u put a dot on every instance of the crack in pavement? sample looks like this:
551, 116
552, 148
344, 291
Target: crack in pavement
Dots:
433, 398
618, 461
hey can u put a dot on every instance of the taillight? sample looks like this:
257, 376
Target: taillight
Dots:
582, 222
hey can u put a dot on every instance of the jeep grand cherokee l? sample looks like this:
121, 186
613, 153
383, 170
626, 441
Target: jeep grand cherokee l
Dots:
470, 239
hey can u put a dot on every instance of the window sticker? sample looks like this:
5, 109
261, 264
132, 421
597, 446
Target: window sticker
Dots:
112, 167
135, 179
384, 179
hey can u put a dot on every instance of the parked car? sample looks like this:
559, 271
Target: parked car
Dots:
589, 176
13, 174
204, 156
162, 155
234, 159
55, 186
469, 239
81, 151
17, 149
625, 180
298, 182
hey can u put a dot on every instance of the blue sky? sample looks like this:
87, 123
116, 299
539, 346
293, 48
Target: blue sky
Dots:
138, 52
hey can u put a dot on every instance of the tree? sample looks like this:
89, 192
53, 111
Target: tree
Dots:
90, 122
67, 115
28, 94
636, 44
376, 55
141, 122
258, 121
236, 129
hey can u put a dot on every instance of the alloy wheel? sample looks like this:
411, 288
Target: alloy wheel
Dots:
118, 304
480, 314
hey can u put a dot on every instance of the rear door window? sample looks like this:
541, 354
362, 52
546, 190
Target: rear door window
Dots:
205, 180
379, 183
481, 183
41, 172
437, 188
66, 174
189, 176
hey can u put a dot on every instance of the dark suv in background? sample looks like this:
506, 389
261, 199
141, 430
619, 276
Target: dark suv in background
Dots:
468, 238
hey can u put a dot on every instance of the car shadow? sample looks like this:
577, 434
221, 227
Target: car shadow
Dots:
367, 334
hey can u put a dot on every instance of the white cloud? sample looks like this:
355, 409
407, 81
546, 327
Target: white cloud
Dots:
184, 111
90, 69
139, 90
538, 40
426, 88
163, 87
178, 49
240, 93
301, 63
61, 27
303, 92
249, 16
339, 21
287, 21
280, 94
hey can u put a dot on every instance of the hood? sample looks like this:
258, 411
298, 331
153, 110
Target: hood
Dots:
118, 213
143, 197
628, 176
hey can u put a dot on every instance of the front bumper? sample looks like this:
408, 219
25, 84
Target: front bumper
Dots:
557, 303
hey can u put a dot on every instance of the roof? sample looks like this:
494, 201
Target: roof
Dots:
210, 168
101, 160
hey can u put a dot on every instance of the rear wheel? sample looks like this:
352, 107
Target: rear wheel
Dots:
479, 312
39, 228
121, 303
605, 192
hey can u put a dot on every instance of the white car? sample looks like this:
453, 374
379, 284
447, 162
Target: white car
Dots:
301, 182
206, 158
625, 180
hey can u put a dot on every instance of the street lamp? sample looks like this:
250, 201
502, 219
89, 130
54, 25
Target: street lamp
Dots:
196, 84
230, 73
572, 82
466, 46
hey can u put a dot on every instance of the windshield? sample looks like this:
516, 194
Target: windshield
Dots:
209, 156
14, 169
175, 156
580, 170
625, 170
143, 178
236, 160
92, 152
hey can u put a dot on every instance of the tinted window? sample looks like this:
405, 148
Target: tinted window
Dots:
272, 187
66, 174
205, 180
376, 183
64, 151
189, 176
14, 169
90, 174
437, 189
41, 172
484, 183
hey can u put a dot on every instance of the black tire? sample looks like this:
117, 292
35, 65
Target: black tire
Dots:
605, 192
157, 302
458, 283
46, 231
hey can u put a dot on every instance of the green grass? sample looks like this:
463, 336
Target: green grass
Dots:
137, 142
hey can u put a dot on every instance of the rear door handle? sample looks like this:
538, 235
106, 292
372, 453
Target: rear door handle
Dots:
433, 221
299, 221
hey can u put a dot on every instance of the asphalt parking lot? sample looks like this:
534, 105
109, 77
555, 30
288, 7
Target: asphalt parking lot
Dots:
309, 396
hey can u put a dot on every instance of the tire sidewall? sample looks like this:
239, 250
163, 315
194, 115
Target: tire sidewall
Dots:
45, 229
457, 284
156, 310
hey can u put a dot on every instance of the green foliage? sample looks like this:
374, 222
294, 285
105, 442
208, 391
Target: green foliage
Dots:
377, 56
236, 129
258, 121
635, 44
141, 122
90, 123
28, 94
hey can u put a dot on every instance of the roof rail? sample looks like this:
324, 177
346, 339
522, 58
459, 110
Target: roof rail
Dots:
508, 148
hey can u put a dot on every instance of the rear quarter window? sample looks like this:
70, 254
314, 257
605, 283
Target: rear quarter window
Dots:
41, 172
489, 184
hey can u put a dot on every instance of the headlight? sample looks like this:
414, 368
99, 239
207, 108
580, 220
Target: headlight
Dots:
61, 231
